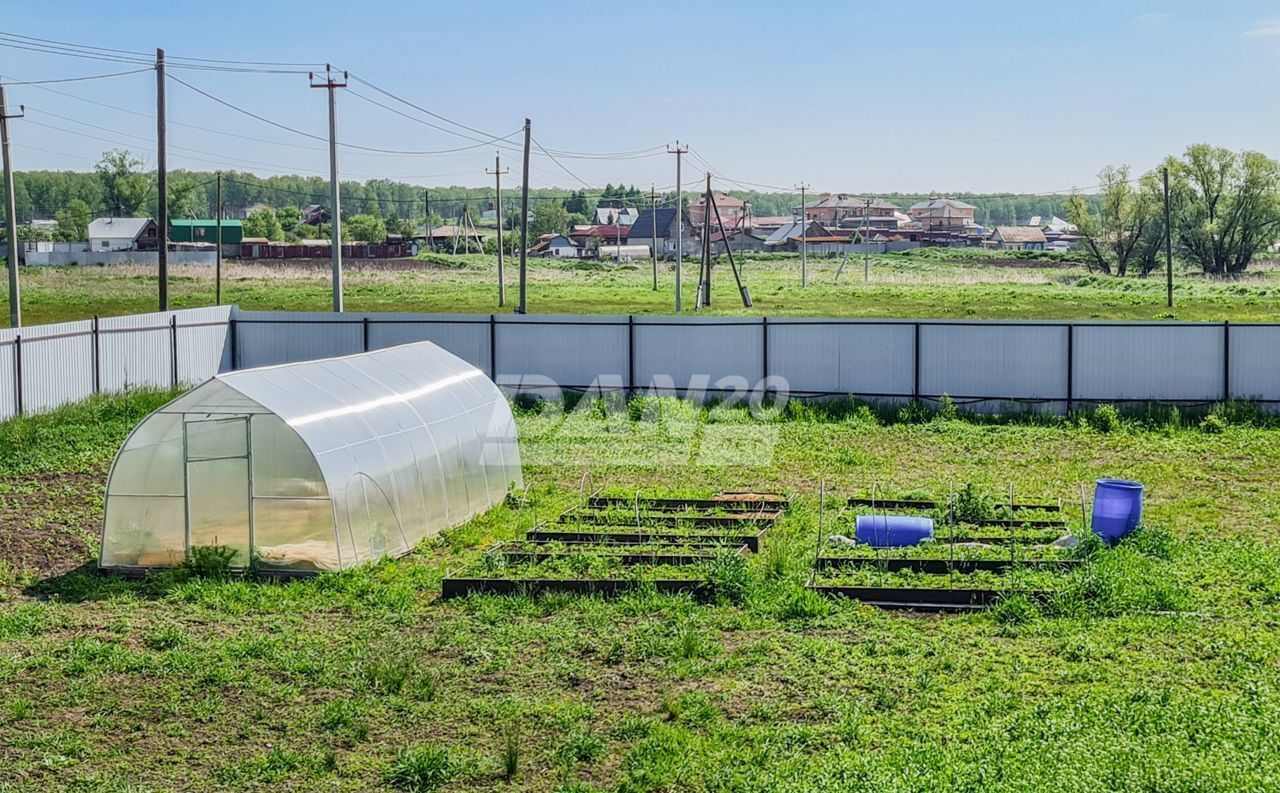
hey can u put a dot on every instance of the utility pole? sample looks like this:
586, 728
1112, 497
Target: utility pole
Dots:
653, 227
497, 173
217, 240
866, 252
524, 223
162, 184
10, 213
335, 197
1168, 242
804, 240
704, 271
679, 152
426, 203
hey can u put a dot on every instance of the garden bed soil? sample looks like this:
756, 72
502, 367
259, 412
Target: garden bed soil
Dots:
460, 587
632, 537
943, 566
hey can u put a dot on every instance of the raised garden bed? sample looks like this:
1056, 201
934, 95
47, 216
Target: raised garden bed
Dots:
693, 520
725, 502
943, 566
652, 553
922, 599
915, 503
633, 536
460, 587
921, 584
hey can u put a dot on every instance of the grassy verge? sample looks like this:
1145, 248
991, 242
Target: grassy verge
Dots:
958, 284
1157, 670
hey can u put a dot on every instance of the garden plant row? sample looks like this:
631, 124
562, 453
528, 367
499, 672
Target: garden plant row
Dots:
616, 543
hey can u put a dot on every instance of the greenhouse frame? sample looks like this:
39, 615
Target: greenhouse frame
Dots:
313, 466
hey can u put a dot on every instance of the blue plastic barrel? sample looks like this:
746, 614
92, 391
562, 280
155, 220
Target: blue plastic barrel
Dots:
892, 531
1117, 508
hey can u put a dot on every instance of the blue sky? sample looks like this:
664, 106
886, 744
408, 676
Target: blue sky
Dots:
855, 96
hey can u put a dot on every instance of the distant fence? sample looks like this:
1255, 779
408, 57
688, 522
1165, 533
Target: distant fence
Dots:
1053, 366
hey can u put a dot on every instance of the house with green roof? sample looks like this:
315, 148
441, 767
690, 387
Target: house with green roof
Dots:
200, 230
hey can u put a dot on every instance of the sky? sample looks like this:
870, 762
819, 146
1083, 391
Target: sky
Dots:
859, 97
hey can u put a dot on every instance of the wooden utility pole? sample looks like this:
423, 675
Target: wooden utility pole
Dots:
497, 173
162, 184
704, 271
426, 203
10, 214
524, 222
866, 252
653, 227
335, 197
1168, 242
804, 240
217, 241
679, 151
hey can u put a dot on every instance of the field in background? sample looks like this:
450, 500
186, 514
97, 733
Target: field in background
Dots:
364, 680
966, 284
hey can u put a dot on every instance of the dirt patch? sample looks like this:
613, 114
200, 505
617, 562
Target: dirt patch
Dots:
48, 523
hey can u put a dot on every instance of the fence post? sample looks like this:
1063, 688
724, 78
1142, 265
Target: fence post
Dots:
915, 363
493, 348
1071, 365
1226, 361
173, 348
233, 329
631, 355
764, 349
364, 333
97, 361
17, 365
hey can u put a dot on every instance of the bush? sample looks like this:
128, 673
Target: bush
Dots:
1213, 424
211, 561
420, 769
1105, 418
971, 505
729, 576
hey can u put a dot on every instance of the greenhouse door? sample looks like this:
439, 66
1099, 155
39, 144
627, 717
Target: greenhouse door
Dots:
217, 484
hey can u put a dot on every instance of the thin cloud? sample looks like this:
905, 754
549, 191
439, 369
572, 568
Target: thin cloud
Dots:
1154, 16
1267, 27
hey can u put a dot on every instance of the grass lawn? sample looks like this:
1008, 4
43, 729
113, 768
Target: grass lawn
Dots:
1168, 680
930, 283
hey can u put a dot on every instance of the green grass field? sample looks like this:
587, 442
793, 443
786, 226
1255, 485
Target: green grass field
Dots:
1161, 672
928, 283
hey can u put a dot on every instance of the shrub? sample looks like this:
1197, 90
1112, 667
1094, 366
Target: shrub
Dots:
1213, 424
211, 561
1105, 418
971, 505
729, 575
947, 408
420, 769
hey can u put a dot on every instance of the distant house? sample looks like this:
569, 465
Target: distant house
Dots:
592, 238
124, 234
608, 216
769, 223
199, 230
733, 211
942, 214
845, 211
555, 246
314, 215
662, 225
788, 236
252, 208
1018, 238
442, 237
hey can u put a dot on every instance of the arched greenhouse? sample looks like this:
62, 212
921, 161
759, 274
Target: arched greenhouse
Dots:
312, 466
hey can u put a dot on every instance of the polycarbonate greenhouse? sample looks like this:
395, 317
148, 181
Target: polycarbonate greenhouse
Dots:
313, 466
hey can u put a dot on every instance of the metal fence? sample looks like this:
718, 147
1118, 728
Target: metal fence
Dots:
44, 366
1050, 365
986, 364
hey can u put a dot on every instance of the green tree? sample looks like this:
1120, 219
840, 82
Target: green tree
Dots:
123, 184
577, 203
1119, 232
549, 217
367, 228
1225, 206
263, 223
73, 221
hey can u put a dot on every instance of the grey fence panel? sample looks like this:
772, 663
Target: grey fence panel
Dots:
55, 371
465, 336
135, 352
203, 351
696, 354
1139, 362
267, 338
1255, 362
843, 358
1004, 361
569, 351
8, 383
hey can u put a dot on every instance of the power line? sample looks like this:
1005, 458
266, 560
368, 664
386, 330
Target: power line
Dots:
76, 79
145, 54
562, 166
